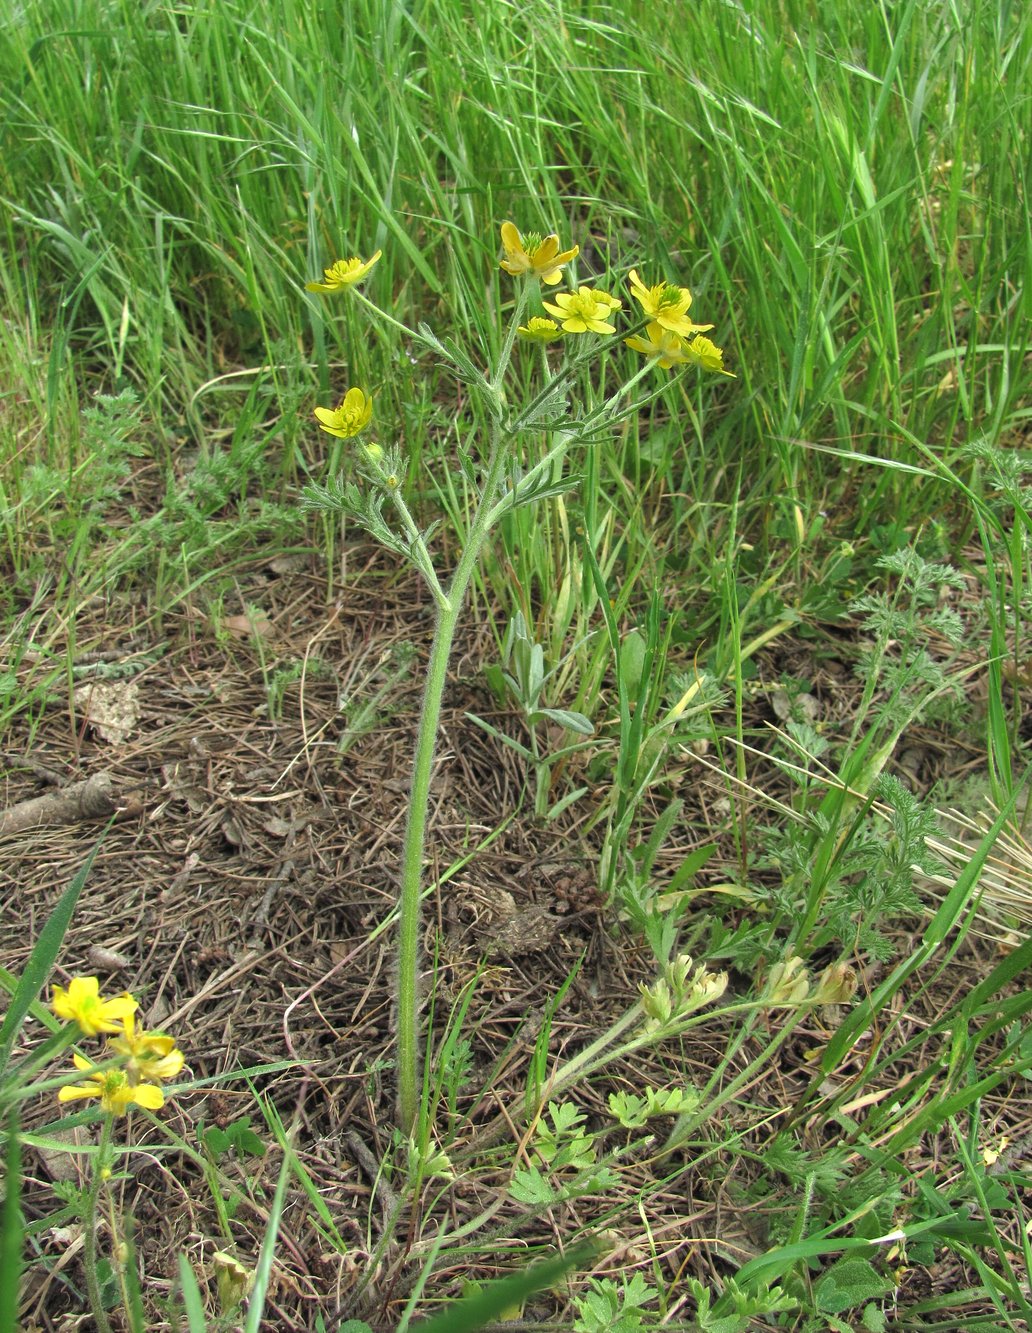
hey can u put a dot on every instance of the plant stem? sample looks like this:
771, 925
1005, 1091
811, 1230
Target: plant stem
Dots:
419, 800
423, 762
686, 1123
89, 1237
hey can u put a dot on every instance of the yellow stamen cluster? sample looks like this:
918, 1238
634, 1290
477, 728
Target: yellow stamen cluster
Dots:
146, 1059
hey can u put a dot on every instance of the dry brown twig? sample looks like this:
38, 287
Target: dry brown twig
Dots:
93, 798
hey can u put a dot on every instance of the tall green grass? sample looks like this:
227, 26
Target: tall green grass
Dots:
845, 190
855, 180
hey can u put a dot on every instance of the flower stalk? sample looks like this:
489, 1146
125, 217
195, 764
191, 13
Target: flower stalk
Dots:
101, 1172
586, 314
419, 801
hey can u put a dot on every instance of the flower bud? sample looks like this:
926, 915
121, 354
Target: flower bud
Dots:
788, 983
835, 985
233, 1279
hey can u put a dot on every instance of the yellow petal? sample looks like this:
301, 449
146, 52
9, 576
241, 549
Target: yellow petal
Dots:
72, 1090
355, 401
149, 1096
511, 238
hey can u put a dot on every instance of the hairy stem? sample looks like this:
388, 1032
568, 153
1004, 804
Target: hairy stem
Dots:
423, 763
419, 800
89, 1236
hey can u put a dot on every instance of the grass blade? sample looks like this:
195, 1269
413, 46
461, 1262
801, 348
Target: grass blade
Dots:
44, 953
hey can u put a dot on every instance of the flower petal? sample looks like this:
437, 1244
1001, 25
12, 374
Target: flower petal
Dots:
511, 238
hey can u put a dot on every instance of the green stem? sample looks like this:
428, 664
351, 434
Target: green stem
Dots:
417, 547
423, 763
686, 1123
383, 315
542, 776
89, 1238
575, 1067
522, 301
419, 800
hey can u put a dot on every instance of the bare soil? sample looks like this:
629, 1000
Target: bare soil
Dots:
239, 896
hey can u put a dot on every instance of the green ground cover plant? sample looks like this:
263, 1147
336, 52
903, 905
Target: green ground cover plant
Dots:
693, 1018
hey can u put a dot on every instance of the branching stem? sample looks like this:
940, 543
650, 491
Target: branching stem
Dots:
422, 768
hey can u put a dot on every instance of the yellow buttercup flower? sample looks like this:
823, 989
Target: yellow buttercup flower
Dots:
540, 330
351, 417
665, 346
708, 355
584, 311
667, 306
113, 1087
82, 1003
344, 273
530, 256
150, 1057
670, 350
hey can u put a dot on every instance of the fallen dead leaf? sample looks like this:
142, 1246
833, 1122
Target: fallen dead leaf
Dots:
246, 627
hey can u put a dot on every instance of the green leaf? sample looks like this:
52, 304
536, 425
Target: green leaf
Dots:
848, 1284
216, 1141
565, 717
548, 409
536, 489
628, 1108
528, 1185
501, 736
193, 1304
633, 651
11, 1228
243, 1138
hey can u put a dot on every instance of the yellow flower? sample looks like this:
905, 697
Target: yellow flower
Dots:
666, 306
351, 417
82, 1003
540, 330
670, 350
344, 273
662, 344
706, 354
113, 1088
533, 257
584, 311
150, 1057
